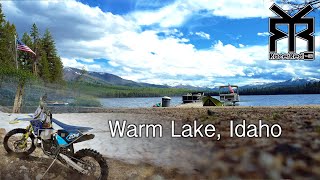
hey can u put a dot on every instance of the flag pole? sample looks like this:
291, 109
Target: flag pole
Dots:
15, 48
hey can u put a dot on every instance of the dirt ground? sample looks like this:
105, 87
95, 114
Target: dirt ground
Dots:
294, 155
34, 166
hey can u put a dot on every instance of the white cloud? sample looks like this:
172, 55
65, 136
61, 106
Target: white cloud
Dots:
263, 33
180, 11
127, 69
169, 16
114, 64
203, 35
74, 63
71, 63
87, 33
72, 23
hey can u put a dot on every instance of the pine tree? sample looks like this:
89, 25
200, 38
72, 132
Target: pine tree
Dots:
25, 59
50, 65
58, 70
2, 20
7, 51
44, 67
35, 35
54, 61
1, 15
36, 46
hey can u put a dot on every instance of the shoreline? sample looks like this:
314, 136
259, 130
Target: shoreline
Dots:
293, 155
69, 109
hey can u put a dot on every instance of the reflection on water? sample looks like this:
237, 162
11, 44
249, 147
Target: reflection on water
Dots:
255, 100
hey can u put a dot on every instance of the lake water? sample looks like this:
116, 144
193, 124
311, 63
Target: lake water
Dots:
254, 100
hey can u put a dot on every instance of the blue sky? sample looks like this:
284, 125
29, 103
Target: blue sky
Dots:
190, 42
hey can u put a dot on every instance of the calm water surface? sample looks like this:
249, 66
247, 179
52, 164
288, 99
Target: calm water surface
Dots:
255, 100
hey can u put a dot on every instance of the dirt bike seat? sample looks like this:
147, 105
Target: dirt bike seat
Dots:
70, 127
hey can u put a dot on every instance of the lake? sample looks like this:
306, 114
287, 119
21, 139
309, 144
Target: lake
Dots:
254, 100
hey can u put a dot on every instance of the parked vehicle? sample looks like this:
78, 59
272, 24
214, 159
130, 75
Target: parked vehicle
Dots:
192, 97
229, 97
56, 143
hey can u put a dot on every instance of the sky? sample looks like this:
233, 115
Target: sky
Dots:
202, 43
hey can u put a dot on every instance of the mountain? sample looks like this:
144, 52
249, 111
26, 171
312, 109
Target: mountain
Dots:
196, 88
287, 83
71, 74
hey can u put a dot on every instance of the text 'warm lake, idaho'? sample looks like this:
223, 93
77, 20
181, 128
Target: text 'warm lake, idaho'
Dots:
194, 130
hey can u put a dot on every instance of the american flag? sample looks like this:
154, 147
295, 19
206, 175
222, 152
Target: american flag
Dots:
23, 47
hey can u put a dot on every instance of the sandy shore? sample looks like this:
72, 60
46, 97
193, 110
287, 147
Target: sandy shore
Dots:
295, 154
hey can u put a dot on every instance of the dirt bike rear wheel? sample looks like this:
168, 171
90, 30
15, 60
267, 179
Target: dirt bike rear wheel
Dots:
98, 169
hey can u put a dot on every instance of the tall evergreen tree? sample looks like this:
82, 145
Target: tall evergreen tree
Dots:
44, 67
26, 58
1, 15
36, 45
47, 62
54, 61
7, 51
58, 70
35, 35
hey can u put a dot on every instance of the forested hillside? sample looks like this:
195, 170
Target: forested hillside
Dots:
46, 64
41, 63
309, 88
25, 76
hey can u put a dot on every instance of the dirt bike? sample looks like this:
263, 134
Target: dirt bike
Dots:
57, 144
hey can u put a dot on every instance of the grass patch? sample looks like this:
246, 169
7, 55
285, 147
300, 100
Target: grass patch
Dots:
276, 116
86, 101
317, 129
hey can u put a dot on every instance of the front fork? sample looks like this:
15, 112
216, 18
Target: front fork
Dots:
25, 136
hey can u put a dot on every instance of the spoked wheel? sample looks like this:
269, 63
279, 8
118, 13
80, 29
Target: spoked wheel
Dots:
93, 162
16, 143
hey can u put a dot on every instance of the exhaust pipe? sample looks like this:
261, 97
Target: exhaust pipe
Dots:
73, 164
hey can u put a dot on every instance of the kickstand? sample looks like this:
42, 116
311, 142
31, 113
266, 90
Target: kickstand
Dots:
51, 164
49, 167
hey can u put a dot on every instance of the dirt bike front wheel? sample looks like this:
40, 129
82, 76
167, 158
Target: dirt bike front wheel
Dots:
16, 143
93, 162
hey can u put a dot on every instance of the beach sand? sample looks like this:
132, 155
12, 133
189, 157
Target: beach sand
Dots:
294, 155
